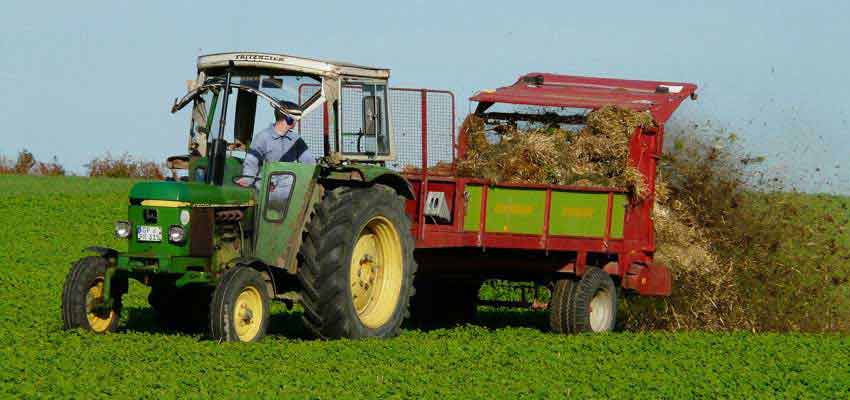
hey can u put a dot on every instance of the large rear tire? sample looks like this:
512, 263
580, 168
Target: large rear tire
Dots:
356, 264
239, 311
82, 296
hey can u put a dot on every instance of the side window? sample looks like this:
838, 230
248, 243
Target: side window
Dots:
278, 191
282, 88
278, 87
200, 174
364, 119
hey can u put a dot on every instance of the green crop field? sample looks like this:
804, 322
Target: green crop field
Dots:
46, 222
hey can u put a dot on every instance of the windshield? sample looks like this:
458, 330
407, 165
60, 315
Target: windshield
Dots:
254, 99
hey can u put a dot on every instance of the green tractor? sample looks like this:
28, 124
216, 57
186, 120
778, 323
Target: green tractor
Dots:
333, 236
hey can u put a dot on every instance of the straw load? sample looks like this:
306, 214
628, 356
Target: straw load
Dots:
596, 155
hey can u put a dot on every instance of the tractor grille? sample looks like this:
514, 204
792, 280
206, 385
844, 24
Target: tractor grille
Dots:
201, 232
149, 215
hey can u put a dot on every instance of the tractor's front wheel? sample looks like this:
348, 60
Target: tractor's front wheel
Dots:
357, 264
239, 311
82, 298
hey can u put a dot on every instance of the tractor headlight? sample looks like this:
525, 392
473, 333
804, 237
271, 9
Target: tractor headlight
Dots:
176, 234
122, 229
184, 217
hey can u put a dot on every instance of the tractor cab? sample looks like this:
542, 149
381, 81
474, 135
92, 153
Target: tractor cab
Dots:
350, 100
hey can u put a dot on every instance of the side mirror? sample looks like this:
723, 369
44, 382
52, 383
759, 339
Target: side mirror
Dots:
372, 116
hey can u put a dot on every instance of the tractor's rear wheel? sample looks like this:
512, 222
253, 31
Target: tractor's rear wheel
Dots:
82, 298
239, 311
356, 264
585, 305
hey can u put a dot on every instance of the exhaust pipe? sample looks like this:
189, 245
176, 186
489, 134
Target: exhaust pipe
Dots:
215, 168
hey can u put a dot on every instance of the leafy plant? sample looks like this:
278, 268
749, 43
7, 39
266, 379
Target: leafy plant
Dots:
26, 164
125, 166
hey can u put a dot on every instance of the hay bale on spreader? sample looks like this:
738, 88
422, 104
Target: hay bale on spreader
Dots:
547, 153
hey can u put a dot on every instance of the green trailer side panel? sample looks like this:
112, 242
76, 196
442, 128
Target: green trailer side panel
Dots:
472, 217
515, 210
579, 214
618, 216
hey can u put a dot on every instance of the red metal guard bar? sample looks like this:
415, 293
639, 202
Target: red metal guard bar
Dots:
424, 187
544, 89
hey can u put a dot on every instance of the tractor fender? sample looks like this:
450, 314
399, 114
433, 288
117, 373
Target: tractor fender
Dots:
360, 174
399, 184
266, 270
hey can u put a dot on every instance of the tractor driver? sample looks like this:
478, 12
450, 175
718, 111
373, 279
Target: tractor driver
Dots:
278, 142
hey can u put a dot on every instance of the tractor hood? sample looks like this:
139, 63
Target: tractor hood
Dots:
198, 194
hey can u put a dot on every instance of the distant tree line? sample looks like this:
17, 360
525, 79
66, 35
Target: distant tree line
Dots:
123, 166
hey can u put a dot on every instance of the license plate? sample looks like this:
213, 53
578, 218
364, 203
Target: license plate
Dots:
149, 234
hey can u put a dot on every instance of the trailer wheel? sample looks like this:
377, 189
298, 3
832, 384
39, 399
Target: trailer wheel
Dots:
356, 264
239, 311
560, 305
82, 295
594, 303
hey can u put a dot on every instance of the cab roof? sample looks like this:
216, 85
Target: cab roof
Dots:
554, 90
324, 68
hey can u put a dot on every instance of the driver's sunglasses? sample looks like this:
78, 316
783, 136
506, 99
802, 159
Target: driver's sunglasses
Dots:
289, 120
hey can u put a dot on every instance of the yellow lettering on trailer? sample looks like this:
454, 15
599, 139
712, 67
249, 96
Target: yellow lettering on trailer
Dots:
577, 212
514, 209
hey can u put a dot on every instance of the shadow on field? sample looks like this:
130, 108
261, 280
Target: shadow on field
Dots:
141, 319
491, 318
145, 320
287, 324
282, 323
511, 318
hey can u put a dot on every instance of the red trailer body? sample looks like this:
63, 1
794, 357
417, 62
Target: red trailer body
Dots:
629, 257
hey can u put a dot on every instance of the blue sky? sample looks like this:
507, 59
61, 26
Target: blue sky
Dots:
83, 78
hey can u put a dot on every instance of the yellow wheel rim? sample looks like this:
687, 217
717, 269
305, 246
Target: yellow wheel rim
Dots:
376, 272
97, 321
248, 314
